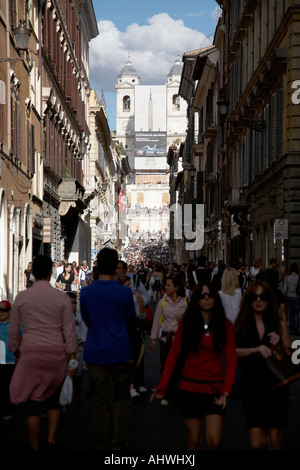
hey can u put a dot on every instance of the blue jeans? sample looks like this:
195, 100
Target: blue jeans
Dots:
109, 386
293, 304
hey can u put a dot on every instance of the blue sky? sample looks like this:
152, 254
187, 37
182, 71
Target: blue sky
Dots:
152, 34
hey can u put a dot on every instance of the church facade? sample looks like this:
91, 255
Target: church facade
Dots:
149, 119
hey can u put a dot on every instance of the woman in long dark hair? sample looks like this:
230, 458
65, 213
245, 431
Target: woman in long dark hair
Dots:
258, 329
203, 339
66, 279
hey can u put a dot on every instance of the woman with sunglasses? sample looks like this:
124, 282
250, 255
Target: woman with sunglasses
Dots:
258, 329
204, 339
66, 279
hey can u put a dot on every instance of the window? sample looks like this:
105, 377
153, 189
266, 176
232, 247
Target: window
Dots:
126, 103
261, 148
165, 199
140, 198
16, 128
176, 102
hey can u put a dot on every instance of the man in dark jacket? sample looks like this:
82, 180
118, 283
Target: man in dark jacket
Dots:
200, 273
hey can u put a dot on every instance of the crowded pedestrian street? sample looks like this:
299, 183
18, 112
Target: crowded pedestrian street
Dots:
149, 231
153, 428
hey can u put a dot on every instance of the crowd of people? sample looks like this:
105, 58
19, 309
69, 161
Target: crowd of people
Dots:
213, 323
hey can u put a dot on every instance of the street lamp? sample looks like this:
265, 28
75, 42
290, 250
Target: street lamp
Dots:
22, 35
82, 147
190, 169
223, 103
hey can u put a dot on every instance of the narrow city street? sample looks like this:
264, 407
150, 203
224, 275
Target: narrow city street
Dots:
153, 427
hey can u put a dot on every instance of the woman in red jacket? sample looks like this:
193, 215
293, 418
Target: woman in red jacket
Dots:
203, 339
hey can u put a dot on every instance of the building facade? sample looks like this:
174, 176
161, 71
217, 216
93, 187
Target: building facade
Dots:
44, 133
68, 27
103, 182
260, 129
246, 134
20, 144
149, 119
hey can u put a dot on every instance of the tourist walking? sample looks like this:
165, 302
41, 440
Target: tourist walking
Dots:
217, 277
106, 307
199, 274
48, 333
137, 386
290, 286
168, 313
66, 279
230, 293
204, 342
136, 284
82, 274
274, 278
7, 363
255, 269
258, 330
157, 283
28, 276
243, 277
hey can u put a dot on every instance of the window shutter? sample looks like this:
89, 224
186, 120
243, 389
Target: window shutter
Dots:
28, 145
32, 150
248, 158
13, 13
280, 103
242, 175
273, 128
265, 142
259, 152
253, 154
19, 133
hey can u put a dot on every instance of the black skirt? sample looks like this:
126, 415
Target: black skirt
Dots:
199, 405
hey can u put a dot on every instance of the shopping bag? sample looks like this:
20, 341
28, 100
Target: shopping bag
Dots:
66, 394
282, 367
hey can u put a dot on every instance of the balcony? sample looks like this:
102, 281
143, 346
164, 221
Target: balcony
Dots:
210, 130
237, 198
198, 148
72, 198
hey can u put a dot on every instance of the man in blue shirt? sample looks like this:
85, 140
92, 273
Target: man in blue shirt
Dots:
107, 307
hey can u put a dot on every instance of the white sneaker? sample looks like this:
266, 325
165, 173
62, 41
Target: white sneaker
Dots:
134, 394
164, 402
142, 390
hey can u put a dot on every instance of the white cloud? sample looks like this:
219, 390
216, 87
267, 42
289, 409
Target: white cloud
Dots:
195, 15
215, 15
152, 49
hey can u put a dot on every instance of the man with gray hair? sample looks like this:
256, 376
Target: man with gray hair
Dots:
83, 271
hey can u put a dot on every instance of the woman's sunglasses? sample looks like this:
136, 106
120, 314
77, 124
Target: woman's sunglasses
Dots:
209, 294
261, 296
6, 309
